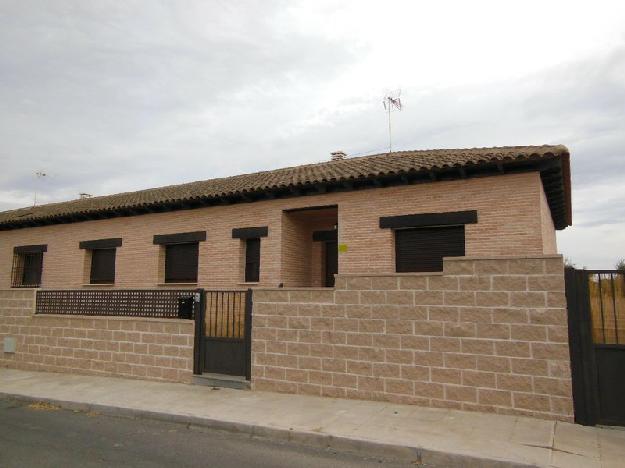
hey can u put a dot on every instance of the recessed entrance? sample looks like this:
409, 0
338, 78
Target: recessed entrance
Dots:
309, 246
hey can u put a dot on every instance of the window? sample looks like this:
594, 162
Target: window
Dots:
27, 266
252, 260
101, 254
423, 249
31, 266
102, 266
181, 261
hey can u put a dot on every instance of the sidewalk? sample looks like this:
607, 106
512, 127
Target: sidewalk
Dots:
432, 436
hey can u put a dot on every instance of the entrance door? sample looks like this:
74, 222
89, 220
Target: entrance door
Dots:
224, 328
596, 306
332, 263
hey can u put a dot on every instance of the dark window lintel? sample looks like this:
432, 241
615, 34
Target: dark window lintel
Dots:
250, 232
26, 249
101, 244
429, 219
182, 238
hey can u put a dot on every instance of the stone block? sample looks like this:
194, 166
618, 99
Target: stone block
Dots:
399, 386
443, 375
460, 329
445, 344
459, 298
458, 267
528, 332
474, 378
384, 282
528, 299
527, 266
494, 397
372, 297
418, 283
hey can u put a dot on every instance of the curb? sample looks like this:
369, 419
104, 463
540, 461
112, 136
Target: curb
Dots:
416, 455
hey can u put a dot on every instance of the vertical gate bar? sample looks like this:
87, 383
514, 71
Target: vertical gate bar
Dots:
241, 296
209, 305
225, 311
223, 324
199, 338
588, 347
230, 314
234, 313
614, 308
249, 303
212, 309
231, 307
601, 308
233, 330
203, 330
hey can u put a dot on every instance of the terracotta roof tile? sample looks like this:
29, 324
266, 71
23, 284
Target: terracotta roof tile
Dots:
366, 167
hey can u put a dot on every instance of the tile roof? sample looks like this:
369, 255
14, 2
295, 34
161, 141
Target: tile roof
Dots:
438, 164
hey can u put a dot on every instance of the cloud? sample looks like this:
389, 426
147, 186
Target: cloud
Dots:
107, 97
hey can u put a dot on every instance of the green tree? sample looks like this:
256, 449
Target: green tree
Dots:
620, 265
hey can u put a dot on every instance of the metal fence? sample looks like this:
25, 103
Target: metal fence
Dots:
119, 302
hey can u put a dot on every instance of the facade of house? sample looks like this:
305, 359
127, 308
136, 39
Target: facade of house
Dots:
296, 227
424, 277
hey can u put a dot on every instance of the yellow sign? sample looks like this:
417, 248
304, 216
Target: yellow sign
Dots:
342, 248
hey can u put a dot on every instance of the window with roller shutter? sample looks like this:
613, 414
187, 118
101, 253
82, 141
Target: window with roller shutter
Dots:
181, 262
252, 260
423, 249
102, 266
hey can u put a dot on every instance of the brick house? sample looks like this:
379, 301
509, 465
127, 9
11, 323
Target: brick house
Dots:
282, 227
428, 277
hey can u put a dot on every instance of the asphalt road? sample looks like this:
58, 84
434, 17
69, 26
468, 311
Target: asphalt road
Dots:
38, 435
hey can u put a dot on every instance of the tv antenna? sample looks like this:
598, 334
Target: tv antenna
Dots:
391, 103
39, 175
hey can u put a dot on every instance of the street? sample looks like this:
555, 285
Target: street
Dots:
41, 435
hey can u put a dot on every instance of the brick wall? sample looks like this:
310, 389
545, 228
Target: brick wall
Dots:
510, 219
486, 335
548, 231
159, 349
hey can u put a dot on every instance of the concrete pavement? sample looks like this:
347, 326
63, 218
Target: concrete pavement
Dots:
428, 435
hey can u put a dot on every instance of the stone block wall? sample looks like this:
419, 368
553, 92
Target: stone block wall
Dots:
486, 335
148, 348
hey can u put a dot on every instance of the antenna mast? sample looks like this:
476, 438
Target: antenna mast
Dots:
39, 175
391, 102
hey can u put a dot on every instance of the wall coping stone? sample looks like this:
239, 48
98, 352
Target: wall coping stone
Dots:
293, 289
390, 275
504, 257
19, 289
112, 317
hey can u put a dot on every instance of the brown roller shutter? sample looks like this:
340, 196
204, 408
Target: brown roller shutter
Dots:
33, 263
252, 260
102, 266
181, 262
423, 249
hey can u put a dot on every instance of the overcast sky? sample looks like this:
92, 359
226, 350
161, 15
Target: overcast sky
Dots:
115, 96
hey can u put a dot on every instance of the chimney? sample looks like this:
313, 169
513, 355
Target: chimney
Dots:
337, 155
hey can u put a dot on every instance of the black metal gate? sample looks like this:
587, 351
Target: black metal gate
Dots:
223, 326
596, 307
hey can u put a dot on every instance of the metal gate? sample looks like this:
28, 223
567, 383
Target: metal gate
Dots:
596, 307
223, 328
